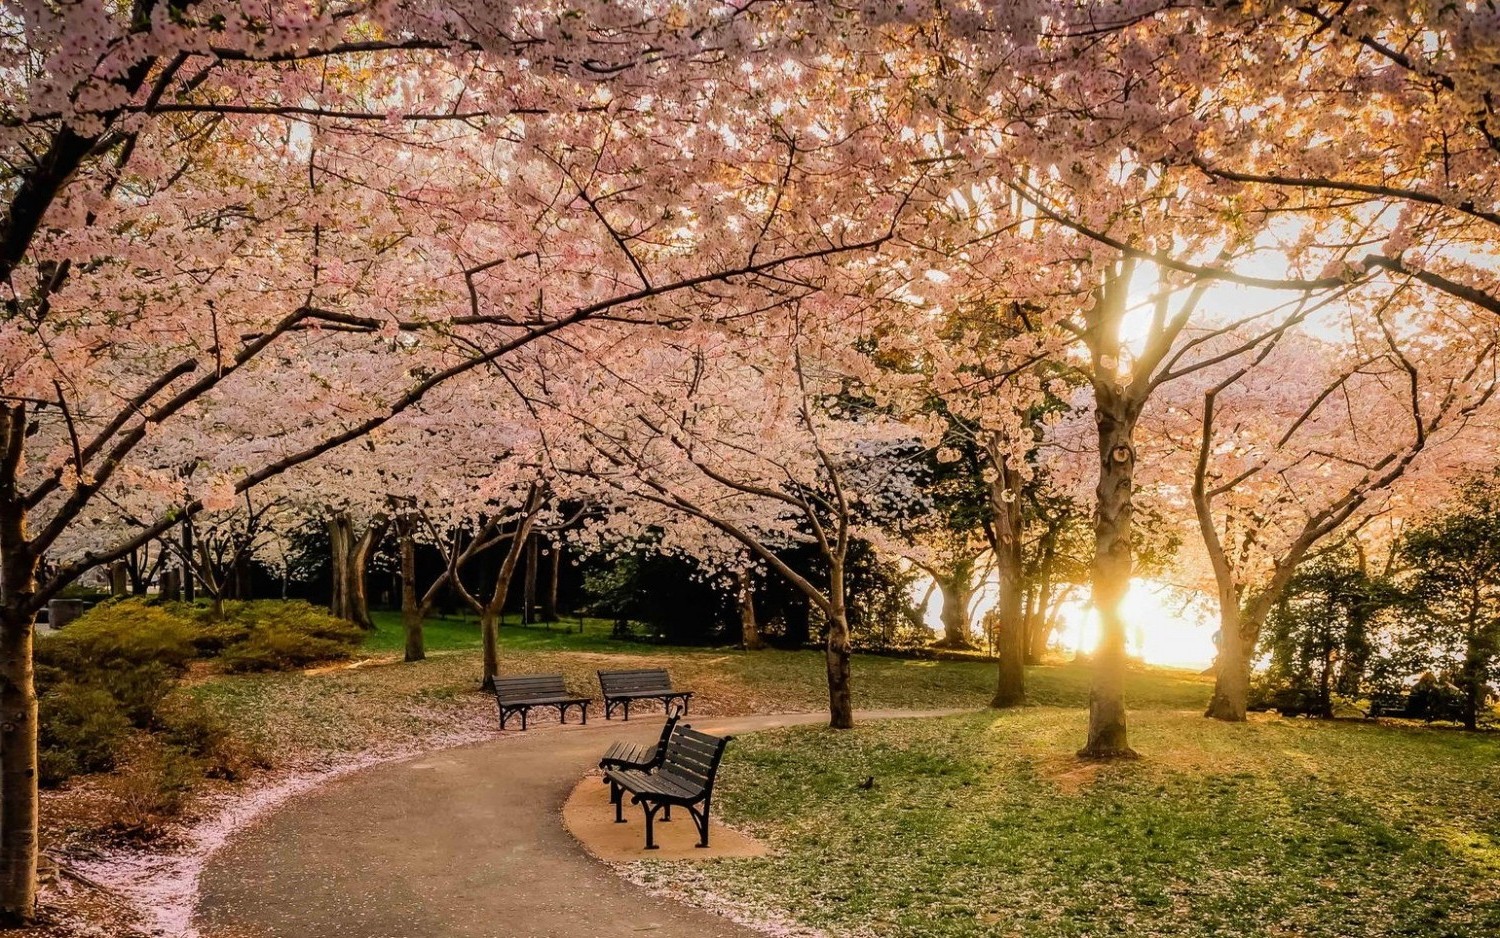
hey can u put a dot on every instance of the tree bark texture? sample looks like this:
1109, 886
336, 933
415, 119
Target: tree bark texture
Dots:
1113, 560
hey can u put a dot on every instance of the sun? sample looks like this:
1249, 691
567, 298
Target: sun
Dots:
1164, 625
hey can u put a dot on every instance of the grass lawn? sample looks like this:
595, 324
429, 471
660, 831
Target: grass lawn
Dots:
984, 825
384, 701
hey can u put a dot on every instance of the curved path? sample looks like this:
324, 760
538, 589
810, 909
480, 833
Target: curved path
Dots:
461, 843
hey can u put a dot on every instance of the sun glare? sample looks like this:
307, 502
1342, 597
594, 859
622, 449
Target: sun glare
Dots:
1164, 626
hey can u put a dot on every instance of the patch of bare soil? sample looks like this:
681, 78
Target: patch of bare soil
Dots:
590, 818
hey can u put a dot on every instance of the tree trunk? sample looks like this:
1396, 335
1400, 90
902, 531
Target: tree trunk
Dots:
1472, 673
750, 638
550, 609
355, 588
340, 542
528, 588
411, 611
489, 637
956, 592
350, 557
18, 711
1231, 695
490, 612
1039, 632
1010, 679
837, 651
189, 588
1038, 623
1107, 736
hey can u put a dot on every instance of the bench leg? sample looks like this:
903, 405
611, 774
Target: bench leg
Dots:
701, 819
503, 716
609, 709
627, 711
650, 810
585, 709
617, 798
562, 713
525, 712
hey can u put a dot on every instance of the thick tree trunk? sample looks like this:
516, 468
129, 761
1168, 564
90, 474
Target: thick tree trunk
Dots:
1107, 736
1231, 695
956, 592
18, 710
18, 747
340, 542
1010, 650
411, 611
356, 589
1472, 674
750, 637
489, 638
350, 558
837, 651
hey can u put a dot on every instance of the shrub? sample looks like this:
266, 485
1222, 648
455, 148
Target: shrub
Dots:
283, 635
82, 729
188, 725
154, 789
118, 663
126, 631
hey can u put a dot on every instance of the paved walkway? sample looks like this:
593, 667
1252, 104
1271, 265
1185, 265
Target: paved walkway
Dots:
464, 843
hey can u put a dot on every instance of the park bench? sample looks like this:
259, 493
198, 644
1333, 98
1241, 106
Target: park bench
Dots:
519, 694
622, 687
1389, 704
684, 777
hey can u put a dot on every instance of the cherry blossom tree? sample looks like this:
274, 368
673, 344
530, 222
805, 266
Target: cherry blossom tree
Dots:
1299, 447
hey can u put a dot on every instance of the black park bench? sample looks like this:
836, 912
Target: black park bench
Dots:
1389, 704
622, 687
685, 777
520, 694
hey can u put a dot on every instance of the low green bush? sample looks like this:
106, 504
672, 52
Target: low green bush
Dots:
82, 728
116, 666
188, 725
282, 635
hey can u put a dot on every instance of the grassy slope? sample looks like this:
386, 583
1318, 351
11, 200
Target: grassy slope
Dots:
984, 825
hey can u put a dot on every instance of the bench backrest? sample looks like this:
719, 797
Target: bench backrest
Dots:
693, 757
529, 686
667, 729
640, 679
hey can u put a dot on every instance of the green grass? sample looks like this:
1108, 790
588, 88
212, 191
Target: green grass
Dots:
461, 633
986, 825
388, 702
